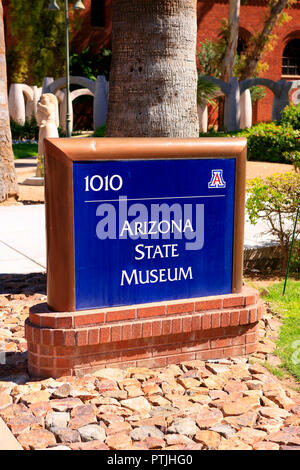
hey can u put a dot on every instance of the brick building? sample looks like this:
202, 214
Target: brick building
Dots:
283, 61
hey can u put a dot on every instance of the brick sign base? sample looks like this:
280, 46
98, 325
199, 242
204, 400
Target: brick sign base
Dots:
149, 335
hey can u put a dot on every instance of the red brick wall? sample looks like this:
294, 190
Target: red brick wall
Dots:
97, 37
211, 12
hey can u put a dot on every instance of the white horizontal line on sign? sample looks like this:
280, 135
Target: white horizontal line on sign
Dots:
155, 198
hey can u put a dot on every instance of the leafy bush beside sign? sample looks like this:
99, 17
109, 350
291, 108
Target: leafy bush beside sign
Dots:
276, 200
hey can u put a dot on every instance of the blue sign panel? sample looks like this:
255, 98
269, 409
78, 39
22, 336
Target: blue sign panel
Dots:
152, 230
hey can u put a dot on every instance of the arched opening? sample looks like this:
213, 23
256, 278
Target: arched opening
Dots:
243, 40
83, 113
241, 46
291, 58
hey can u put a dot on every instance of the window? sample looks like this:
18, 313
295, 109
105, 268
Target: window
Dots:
98, 13
291, 58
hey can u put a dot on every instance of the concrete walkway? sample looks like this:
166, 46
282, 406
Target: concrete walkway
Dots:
22, 239
23, 244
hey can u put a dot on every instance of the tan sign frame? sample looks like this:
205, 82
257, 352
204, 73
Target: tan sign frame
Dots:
59, 158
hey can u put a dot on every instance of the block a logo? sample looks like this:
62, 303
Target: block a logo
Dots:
2, 353
217, 180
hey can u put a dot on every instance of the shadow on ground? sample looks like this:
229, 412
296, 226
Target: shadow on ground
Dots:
28, 284
25, 165
14, 368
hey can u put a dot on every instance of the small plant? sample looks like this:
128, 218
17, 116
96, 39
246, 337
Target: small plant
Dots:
276, 200
40, 165
206, 91
291, 116
257, 93
28, 131
89, 64
210, 56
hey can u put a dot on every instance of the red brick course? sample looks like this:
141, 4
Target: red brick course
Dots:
209, 328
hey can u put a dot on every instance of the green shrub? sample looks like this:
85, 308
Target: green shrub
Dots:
100, 131
212, 133
276, 200
30, 130
257, 93
268, 142
272, 143
89, 64
291, 116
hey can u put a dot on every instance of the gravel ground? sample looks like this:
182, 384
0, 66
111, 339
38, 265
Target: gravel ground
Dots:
228, 404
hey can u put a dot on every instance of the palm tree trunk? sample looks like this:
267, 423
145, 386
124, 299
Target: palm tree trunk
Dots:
8, 184
153, 81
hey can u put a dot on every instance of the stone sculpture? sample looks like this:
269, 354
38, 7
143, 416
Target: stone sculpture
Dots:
47, 119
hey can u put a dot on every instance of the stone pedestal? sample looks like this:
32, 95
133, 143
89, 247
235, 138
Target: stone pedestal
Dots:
148, 335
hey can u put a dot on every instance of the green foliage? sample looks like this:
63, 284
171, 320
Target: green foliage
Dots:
291, 116
209, 63
272, 143
30, 130
277, 371
268, 142
100, 131
257, 93
288, 307
210, 57
39, 48
206, 91
89, 64
212, 133
276, 200
25, 150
